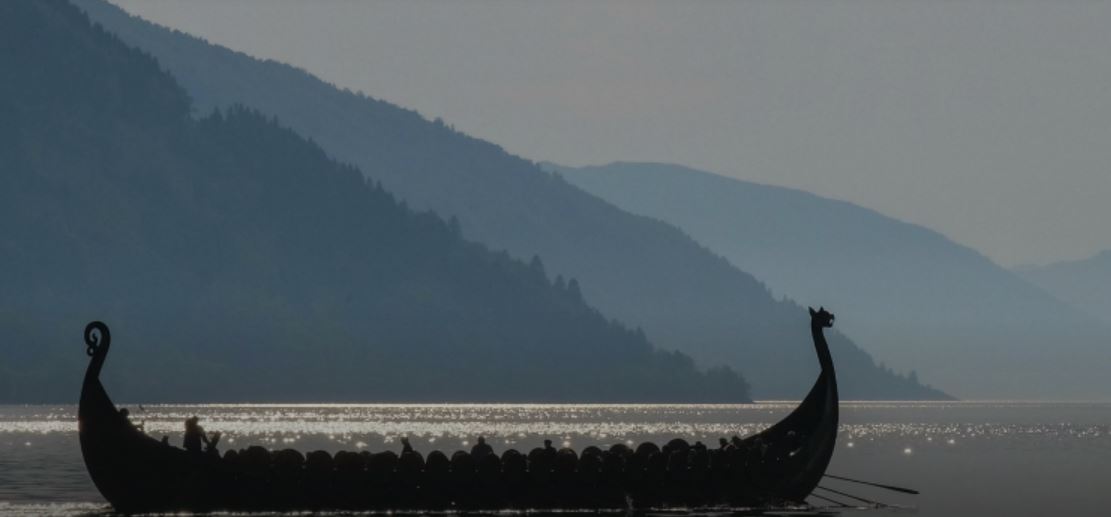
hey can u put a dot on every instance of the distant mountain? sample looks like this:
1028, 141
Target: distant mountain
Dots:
905, 292
235, 261
643, 272
1084, 284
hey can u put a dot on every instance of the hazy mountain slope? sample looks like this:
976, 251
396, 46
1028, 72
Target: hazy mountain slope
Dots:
235, 261
914, 297
1084, 284
640, 271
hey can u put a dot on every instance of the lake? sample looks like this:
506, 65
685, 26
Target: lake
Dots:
967, 458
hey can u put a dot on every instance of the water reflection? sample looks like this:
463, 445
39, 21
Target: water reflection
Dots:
96, 510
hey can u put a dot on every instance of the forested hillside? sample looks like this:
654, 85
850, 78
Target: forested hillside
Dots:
235, 261
638, 270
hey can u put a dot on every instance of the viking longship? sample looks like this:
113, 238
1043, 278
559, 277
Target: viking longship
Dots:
777, 467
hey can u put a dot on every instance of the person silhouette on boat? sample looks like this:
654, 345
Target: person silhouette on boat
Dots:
126, 414
195, 436
481, 449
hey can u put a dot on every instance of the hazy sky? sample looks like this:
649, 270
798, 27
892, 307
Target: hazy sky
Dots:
989, 121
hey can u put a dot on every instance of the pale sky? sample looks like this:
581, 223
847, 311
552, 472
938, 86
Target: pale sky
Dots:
989, 121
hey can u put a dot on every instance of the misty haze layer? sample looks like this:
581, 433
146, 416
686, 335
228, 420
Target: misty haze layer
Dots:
1086, 284
636, 269
909, 294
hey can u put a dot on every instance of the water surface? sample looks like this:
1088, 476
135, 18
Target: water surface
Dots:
967, 458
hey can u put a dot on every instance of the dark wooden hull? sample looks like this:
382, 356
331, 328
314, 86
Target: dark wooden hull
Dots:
136, 473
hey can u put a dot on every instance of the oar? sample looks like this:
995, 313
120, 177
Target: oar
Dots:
828, 500
850, 496
877, 485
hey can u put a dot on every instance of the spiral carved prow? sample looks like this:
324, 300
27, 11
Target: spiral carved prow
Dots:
97, 337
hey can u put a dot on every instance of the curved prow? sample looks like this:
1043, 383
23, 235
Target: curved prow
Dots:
94, 400
97, 341
820, 320
805, 438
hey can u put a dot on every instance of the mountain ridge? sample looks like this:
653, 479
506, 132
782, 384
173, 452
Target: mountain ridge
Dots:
236, 261
1082, 283
906, 291
639, 271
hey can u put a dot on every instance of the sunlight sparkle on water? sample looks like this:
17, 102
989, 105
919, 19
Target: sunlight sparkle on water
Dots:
40, 457
378, 426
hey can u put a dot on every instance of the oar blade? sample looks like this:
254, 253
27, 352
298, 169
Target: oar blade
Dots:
910, 491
